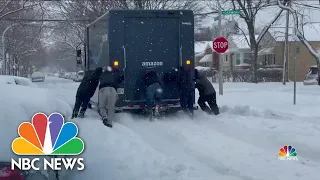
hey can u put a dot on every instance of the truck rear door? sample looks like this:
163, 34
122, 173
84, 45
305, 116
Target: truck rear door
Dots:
150, 44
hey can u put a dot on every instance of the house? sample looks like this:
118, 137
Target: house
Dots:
304, 57
239, 53
203, 53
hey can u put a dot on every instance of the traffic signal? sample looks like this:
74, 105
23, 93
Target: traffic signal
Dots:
79, 53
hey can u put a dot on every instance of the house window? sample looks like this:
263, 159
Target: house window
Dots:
247, 58
269, 59
236, 58
226, 58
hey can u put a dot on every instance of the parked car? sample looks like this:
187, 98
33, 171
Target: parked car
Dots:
79, 76
312, 76
7, 173
61, 75
4, 79
73, 75
66, 75
37, 77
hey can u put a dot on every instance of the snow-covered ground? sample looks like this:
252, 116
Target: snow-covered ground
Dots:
242, 143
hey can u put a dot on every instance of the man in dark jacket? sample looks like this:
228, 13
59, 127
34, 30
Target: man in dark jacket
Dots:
186, 90
109, 82
85, 91
153, 92
207, 94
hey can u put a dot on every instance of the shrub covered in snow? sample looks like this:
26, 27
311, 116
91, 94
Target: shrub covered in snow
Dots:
245, 75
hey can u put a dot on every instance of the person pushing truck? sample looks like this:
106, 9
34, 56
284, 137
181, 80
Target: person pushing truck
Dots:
135, 41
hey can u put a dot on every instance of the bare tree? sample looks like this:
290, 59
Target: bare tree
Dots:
21, 42
23, 39
204, 34
91, 10
10, 7
249, 10
71, 33
298, 31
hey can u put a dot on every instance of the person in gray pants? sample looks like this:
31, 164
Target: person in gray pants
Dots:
109, 82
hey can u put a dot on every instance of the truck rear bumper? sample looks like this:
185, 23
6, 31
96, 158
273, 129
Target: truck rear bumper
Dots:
163, 106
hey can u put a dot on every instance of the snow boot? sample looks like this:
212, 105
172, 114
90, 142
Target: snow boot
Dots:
74, 115
151, 115
156, 112
89, 105
81, 114
107, 122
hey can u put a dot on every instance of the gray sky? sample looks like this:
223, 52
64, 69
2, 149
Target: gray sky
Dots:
266, 15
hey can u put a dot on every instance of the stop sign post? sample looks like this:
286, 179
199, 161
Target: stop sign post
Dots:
220, 45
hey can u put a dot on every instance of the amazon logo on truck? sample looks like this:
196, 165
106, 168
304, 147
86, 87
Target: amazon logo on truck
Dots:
150, 64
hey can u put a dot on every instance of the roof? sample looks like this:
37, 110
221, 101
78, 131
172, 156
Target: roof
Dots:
266, 51
206, 58
239, 41
200, 46
311, 32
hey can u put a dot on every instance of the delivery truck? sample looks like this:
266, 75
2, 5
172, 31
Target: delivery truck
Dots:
136, 41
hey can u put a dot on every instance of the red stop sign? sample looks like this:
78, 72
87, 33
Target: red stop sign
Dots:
220, 45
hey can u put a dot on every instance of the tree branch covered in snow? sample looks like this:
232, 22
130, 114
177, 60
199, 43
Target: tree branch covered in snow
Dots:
70, 34
9, 7
298, 30
22, 40
266, 28
249, 10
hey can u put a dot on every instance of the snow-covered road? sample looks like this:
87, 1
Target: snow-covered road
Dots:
242, 143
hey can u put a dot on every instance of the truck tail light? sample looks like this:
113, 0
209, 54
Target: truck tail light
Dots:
116, 66
116, 63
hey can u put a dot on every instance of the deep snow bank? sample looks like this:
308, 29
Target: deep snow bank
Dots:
16, 80
19, 104
120, 153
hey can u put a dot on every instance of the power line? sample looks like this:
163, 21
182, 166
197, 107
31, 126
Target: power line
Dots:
239, 9
307, 5
47, 20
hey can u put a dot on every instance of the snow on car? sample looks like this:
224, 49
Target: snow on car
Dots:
37, 77
16, 80
17, 107
79, 76
312, 76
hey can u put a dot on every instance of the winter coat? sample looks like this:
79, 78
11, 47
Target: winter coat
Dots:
89, 83
185, 80
150, 77
110, 79
203, 85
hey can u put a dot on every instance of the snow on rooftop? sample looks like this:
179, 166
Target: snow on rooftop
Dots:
200, 46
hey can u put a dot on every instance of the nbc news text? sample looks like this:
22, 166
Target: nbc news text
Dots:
292, 158
45, 164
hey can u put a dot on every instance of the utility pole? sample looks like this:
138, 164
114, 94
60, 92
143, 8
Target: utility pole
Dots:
220, 56
295, 72
286, 49
4, 65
